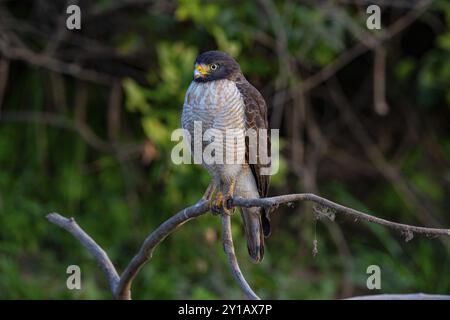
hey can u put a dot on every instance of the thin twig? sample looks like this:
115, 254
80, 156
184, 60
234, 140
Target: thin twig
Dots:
153, 240
228, 247
97, 252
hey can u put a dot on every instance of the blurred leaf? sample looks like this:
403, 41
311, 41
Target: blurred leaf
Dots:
136, 99
156, 131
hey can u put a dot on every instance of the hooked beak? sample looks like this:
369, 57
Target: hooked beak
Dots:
200, 71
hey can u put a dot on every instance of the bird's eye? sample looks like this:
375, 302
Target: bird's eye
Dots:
214, 66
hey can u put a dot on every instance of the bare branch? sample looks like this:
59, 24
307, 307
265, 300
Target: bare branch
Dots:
97, 252
121, 287
275, 201
153, 240
228, 247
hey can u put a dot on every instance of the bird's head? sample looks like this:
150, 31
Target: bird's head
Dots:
215, 65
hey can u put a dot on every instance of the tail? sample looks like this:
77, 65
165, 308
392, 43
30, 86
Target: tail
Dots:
254, 232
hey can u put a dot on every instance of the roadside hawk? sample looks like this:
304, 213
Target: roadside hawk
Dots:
220, 98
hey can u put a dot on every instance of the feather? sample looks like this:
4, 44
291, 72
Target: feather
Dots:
256, 118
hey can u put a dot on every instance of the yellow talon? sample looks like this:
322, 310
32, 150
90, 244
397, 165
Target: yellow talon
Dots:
223, 204
217, 203
219, 199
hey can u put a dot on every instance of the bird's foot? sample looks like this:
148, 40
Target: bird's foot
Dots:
226, 210
228, 203
229, 197
217, 203
220, 205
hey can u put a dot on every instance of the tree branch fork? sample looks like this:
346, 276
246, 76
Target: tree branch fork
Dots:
120, 286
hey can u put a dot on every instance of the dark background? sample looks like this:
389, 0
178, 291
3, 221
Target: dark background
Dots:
86, 117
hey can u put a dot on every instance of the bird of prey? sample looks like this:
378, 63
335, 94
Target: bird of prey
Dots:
221, 98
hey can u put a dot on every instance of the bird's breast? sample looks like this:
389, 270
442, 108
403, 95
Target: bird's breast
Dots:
217, 104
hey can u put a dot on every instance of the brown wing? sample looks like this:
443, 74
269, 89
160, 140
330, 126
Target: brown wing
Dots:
256, 118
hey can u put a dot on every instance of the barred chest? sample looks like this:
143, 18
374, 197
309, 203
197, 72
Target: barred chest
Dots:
217, 104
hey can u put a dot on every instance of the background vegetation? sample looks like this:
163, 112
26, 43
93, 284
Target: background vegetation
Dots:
86, 118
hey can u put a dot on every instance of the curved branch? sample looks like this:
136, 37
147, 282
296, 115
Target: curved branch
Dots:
97, 252
155, 238
275, 201
121, 286
228, 247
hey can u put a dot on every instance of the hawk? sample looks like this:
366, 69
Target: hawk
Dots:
220, 98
